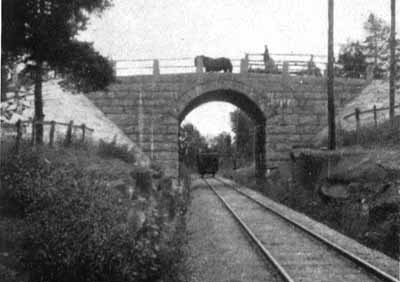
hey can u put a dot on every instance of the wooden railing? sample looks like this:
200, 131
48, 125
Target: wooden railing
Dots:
295, 63
17, 130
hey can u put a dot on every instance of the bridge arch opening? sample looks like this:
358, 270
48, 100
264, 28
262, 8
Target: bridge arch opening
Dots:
245, 104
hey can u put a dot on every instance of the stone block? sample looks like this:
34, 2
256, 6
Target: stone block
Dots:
165, 156
161, 138
286, 129
307, 119
121, 119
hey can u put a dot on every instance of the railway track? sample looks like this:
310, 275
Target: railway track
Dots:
297, 253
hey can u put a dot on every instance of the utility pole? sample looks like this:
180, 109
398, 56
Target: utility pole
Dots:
392, 86
330, 82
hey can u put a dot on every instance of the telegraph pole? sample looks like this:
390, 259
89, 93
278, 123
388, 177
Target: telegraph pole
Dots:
392, 87
330, 85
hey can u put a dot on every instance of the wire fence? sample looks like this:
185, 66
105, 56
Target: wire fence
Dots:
296, 63
26, 130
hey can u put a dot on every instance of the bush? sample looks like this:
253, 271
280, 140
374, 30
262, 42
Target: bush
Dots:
382, 135
77, 227
112, 150
24, 181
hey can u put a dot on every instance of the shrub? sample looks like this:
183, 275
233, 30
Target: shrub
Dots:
24, 181
383, 135
77, 226
112, 150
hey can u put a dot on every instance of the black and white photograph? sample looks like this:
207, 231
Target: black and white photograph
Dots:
200, 141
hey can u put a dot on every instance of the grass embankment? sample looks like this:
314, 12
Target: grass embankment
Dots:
356, 194
87, 215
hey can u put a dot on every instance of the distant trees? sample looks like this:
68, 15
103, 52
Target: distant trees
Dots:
243, 128
376, 45
222, 144
353, 60
42, 34
191, 142
372, 52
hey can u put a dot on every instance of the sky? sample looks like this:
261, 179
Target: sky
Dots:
151, 29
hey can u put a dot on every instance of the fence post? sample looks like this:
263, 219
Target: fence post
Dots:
33, 140
375, 117
51, 134
83, 126
369, 73
199, 64
339, 135
357, 115
68, 136
18, 138
114, 67
156, 67
285, 68
244, 64
285, 73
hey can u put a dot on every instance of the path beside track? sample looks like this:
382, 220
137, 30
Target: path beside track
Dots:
374, 257
218, 250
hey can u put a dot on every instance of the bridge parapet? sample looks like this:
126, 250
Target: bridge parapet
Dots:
252, 62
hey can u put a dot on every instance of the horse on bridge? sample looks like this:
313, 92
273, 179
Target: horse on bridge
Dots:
211, 64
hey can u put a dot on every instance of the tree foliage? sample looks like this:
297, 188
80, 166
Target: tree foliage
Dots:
243, 128
376, 46
373, 52
353, 60
43, 32
222, 144
191, 142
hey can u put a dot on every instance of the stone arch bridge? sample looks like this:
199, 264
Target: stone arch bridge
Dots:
287, 110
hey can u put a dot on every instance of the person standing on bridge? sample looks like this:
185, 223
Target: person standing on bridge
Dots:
268, 61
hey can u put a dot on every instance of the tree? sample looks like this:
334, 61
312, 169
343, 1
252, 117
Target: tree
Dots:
243, 128
376, 44
191, 142
222, 145
43, 33
353, 60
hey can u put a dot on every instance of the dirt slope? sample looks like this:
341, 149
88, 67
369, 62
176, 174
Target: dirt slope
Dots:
63, 106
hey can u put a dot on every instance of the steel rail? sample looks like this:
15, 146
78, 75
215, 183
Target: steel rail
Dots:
264, 251
359, 261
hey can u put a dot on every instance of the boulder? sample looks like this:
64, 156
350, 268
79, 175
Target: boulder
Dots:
144, 182
135, 219
165, 184
335, 191
126, 189
363, 171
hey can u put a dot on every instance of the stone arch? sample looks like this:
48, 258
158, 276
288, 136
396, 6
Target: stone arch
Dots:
237, 94
207, 83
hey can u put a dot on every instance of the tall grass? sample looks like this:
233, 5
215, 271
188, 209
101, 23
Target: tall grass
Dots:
384, 135
78, 227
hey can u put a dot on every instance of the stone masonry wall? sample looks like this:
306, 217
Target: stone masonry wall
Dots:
148, 108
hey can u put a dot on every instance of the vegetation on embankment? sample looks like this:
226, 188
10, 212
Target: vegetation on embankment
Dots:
78, 214
354, 191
